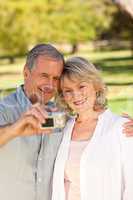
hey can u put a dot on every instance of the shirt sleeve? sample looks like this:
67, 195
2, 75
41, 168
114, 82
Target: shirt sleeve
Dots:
3, 116
127, 165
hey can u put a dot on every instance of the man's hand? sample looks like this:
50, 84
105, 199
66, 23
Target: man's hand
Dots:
28, 124
128, 126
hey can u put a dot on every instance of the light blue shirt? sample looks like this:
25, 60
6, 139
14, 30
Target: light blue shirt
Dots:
26, 163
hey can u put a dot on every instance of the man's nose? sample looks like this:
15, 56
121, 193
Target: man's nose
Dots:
51, 83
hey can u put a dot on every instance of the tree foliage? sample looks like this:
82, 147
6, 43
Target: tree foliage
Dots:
24, 23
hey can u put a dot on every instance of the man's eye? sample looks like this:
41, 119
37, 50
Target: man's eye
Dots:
44, 75
82, 86
56, 78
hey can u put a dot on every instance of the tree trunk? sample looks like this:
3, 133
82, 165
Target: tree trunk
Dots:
11, 60
74, 48
132, 46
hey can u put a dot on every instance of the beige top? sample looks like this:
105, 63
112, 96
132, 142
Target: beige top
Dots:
72, 170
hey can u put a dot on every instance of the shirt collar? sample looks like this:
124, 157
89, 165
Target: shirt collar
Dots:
23, 100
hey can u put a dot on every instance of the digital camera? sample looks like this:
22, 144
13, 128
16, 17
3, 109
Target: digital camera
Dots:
55, 120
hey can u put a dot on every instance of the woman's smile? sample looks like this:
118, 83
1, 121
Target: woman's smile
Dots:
80, 102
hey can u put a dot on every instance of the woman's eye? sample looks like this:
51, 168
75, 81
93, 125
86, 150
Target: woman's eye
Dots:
66, 92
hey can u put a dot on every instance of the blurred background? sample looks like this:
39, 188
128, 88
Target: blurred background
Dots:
100, 30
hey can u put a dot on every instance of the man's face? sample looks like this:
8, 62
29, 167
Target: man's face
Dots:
42, 82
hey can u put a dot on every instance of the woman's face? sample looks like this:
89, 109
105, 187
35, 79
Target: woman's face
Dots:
80, 96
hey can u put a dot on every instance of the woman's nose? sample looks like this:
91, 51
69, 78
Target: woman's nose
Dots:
76, 94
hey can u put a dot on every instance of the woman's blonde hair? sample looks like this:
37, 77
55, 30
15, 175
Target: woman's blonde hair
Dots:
83, 70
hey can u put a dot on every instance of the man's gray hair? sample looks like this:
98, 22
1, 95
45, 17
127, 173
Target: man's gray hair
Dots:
46, 50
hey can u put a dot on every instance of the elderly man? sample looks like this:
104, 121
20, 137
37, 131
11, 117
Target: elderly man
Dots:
27, 152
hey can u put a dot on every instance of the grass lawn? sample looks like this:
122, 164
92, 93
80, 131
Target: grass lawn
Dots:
116, 69
122, 105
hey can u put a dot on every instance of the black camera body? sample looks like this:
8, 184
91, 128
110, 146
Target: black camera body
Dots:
55, 120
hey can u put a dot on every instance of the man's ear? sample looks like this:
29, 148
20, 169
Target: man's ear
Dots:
26, 72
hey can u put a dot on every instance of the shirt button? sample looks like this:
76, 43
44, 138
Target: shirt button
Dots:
40, 159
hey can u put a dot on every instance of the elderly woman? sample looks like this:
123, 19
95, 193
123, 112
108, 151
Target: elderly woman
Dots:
95, 160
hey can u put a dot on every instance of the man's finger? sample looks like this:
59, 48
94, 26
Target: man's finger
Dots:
129, 123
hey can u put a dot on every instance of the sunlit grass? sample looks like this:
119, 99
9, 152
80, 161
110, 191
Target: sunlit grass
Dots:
120, 106
105, 54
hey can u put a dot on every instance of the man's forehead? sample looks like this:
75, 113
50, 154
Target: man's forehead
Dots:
48, 58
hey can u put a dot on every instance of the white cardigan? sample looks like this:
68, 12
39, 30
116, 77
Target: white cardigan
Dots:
106, 166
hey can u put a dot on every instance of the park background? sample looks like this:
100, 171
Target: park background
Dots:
99, 30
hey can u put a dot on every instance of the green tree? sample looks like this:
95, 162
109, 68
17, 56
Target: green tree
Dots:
21, 25
121, 27
80, 21
13, 33
25, 23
